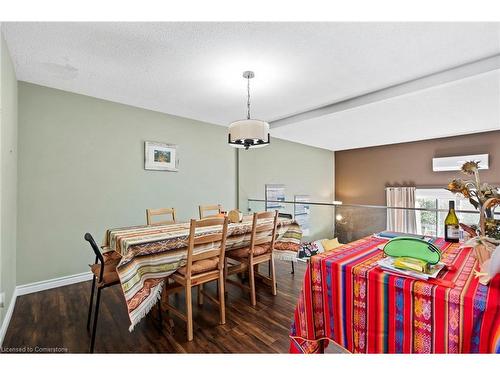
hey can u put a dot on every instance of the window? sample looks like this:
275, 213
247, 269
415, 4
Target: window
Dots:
431, 223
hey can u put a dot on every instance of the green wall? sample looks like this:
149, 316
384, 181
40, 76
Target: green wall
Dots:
81, 168
304, 170
8, 177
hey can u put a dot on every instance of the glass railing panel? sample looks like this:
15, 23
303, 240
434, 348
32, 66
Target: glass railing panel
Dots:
353, 223
253, 207
350, 222
321, 223
317, 222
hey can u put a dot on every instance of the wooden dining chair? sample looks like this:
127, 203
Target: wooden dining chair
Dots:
260, 251
151, 212
214, 210
200, 268
105, 275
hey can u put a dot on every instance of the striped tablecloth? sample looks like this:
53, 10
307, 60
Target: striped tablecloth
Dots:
346, 298
151, 253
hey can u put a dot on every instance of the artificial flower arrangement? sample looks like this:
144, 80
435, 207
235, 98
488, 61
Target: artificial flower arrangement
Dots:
478, 194
486, 235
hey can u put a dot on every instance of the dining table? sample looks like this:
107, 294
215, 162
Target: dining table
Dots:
151, 253
346, 298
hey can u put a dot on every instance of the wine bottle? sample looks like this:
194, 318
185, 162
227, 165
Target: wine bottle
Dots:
451, 227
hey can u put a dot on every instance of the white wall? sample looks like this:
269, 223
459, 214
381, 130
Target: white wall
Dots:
8, 177
81, 168
302, 169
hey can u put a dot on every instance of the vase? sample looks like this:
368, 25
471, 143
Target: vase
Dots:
484, 248
483, 253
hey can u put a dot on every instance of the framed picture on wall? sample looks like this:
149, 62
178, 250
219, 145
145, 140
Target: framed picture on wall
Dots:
160, 157
274, 193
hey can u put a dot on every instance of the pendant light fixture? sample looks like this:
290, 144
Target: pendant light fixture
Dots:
249, 133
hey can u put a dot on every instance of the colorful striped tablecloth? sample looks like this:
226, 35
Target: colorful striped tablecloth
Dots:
151, 253
348, 299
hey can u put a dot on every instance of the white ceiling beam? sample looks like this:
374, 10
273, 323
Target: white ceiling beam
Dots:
445, 76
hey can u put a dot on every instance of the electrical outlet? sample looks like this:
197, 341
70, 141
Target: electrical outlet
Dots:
2, 299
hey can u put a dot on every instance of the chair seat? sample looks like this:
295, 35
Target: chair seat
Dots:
110, 276
201, 266
111, 256
244, 252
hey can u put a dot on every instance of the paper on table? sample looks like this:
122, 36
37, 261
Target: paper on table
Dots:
387, 263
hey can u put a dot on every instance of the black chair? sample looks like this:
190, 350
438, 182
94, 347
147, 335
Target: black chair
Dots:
105, 275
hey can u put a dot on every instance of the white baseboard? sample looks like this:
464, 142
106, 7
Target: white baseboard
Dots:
7, 317
38, 287
53, 283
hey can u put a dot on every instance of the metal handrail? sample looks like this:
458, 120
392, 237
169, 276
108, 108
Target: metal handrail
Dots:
365, 206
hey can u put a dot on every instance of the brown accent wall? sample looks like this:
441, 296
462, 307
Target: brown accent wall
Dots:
362, 174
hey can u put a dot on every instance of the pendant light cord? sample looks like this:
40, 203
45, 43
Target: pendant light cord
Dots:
248, 98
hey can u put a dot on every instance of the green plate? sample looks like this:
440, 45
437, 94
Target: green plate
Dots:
414, 248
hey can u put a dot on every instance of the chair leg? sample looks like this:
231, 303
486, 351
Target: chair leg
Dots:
225, 277
160, 318
269, 268
96, 315
200, 295
91, 303
273, 277
293, 268
170, 322
251, 277
176, 295
222, 298
189, 313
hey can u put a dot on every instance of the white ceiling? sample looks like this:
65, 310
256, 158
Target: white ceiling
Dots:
470, 105
194, 69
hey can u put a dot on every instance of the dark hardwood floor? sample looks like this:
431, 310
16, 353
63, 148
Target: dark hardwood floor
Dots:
56, 318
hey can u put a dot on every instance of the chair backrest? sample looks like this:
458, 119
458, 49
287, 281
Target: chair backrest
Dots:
98, 255
219, 236
216, 209
259, 229
247, 218
150, 212
285, 216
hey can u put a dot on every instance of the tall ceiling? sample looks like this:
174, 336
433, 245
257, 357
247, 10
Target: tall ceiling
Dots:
194, 69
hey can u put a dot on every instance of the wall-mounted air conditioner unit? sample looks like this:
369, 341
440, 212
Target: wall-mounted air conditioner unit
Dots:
453, 163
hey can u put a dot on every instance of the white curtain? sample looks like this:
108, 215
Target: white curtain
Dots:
401, 220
